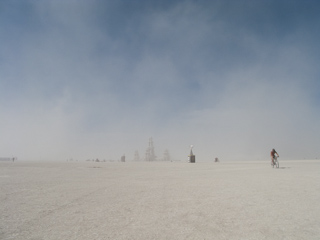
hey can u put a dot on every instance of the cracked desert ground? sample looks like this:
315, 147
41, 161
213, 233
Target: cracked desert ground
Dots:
159, 200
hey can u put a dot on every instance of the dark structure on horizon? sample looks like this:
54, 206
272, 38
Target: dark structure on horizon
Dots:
192, 157
150, 155
7, 159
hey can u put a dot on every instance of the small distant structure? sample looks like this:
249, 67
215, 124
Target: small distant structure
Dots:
123, 158
7, 159
216, 159
136, 156
166, 155
192, 157
150, 155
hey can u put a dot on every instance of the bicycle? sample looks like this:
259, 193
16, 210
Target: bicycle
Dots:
275, 162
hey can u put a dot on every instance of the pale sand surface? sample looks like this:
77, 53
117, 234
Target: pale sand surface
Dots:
227, 200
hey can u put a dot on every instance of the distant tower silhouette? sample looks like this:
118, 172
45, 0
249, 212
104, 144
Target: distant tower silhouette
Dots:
136, 156
150, 156
166, 155
192, 157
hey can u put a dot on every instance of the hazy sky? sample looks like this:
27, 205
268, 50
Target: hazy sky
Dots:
95, 78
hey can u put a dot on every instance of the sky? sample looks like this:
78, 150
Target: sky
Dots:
91, 79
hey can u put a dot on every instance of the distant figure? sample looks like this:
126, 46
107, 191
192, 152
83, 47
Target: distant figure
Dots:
216, 160
272, 154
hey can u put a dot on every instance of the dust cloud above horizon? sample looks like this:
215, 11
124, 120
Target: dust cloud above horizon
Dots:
96, 79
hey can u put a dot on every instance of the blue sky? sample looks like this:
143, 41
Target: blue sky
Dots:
95, 79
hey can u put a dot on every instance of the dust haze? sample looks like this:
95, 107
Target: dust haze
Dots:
96, 79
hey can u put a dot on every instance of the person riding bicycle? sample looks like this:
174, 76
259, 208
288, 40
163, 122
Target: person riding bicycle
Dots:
272, 155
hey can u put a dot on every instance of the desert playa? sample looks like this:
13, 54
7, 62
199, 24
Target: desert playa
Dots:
160, 200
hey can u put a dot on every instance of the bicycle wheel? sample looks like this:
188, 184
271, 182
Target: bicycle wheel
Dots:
277, 163
273, 162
